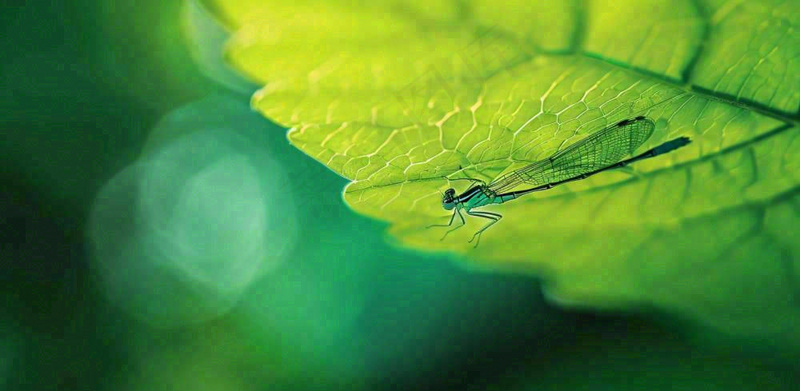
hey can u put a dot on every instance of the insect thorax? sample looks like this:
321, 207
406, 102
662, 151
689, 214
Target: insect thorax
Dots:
484, 196
489, 192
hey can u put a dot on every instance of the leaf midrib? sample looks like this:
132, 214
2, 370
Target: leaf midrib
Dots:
685, 84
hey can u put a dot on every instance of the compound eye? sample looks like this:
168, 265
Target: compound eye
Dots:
450, 192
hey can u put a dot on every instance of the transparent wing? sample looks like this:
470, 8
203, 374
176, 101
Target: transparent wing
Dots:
601, 149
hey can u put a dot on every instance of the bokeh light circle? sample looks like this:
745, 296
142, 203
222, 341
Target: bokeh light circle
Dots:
181, 234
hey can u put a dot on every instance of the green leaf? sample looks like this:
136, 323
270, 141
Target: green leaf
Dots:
751, 53
394, 97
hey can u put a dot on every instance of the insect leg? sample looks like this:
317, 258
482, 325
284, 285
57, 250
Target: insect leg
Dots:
445, 225
463, 223
486, 215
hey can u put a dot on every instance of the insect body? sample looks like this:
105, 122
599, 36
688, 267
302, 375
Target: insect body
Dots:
598, 152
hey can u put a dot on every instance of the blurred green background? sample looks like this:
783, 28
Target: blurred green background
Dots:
125, 169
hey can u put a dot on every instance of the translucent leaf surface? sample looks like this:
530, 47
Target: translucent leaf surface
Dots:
394, 99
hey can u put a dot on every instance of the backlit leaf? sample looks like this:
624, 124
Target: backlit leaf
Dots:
395, 96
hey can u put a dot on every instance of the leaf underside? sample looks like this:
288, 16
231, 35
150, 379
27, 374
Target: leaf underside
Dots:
397, 95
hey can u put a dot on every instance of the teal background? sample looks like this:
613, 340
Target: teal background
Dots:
90, 88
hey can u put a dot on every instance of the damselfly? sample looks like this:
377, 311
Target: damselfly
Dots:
598, 152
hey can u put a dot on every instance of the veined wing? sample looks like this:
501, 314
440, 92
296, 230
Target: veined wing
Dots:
601, 149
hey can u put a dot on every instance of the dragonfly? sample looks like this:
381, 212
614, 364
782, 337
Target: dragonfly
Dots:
601, 151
